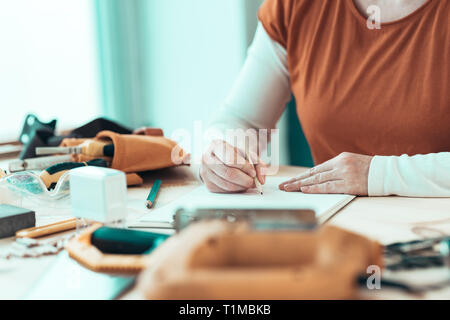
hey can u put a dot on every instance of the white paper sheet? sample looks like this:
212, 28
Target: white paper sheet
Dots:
273, 198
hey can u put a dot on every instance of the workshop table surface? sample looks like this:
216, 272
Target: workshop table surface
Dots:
385, 219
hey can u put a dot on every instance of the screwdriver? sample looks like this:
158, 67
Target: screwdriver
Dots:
91, 148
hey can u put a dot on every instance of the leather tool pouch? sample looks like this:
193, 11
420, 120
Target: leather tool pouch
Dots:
219, 260
136, 153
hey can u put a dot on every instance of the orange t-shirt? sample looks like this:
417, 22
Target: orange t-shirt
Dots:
369, 91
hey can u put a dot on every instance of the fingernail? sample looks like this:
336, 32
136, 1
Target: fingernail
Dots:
253, 173
304, 189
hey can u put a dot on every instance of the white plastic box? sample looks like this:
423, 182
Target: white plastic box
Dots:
98, 194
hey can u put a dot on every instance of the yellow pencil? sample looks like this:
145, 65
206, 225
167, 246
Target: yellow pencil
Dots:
257, 183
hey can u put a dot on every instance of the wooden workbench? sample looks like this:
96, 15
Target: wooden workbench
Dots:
386, 219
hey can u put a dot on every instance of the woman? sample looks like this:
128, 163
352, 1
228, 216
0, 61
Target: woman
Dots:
374, 103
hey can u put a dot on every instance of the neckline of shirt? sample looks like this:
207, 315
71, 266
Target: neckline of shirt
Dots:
410, 16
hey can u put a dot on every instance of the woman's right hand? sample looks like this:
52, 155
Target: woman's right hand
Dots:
225, 169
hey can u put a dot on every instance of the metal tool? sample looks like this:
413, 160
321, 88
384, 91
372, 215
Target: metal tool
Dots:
40, 151
91, 148
37, 163
51, 175
415, 254
259, 219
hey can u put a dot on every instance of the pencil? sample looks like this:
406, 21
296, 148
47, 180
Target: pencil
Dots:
153, 192
53, 228
257, 183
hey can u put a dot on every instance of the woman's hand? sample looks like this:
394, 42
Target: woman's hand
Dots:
226, 170
347, 174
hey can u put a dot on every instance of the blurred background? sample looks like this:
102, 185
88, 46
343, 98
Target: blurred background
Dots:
161, 63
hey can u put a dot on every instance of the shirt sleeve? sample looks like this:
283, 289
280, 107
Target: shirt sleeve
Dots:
411, 176
275, 16
261, 91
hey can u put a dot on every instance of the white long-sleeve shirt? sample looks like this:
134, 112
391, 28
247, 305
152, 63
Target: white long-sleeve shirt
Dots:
259, 97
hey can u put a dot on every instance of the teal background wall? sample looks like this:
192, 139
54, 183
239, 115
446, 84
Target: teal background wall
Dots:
170, 63
121, 53
163, 59
299, 153
195, 51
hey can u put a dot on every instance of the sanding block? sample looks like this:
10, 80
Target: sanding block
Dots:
13, 219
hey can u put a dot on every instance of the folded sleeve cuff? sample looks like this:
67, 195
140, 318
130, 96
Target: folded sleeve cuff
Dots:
377, 174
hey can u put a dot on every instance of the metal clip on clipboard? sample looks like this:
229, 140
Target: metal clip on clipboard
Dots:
258, 219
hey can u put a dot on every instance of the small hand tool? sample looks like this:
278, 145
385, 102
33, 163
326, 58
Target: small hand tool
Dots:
92, 148
50, 176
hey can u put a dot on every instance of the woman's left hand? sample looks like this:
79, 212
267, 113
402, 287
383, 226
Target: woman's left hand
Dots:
345, 174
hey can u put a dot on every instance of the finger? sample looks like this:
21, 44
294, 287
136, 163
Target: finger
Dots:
209, 185
319, 178
260, 167
213, 188
260, 172
229, 155
209, 159
326, 166
330, 187
301, 176
232, 175
223, 184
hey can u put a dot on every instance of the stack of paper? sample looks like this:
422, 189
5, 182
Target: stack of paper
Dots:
325, 205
